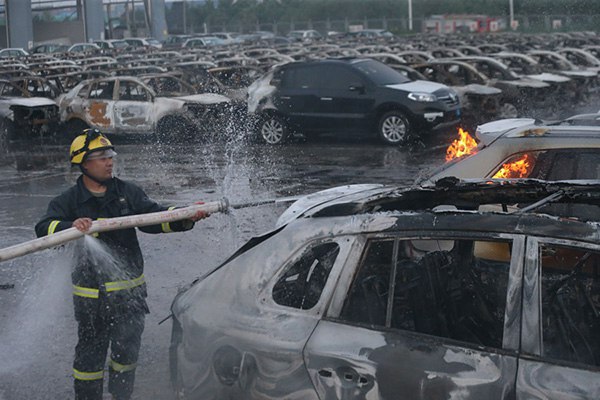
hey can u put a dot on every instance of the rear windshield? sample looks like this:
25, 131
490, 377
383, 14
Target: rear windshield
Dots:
380, 73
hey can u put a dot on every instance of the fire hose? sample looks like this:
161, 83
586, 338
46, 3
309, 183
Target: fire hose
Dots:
130, 221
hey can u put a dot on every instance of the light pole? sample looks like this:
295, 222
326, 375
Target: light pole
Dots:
410, 19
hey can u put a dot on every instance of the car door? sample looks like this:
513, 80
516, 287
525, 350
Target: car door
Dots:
435, 318
98, 105
296, 97
560, 356
343, 100
134, 108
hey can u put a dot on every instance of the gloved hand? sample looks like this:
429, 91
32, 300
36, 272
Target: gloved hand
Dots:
200, 214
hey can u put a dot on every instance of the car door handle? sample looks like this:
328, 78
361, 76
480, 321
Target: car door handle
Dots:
285, 97
326, 98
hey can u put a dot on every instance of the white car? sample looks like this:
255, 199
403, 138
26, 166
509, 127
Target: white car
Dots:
83, 47
524, 148
127, 105
13, 52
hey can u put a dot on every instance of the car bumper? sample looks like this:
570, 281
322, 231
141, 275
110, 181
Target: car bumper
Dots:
439, 119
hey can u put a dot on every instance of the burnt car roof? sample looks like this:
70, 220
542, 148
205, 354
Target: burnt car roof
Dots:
449, 195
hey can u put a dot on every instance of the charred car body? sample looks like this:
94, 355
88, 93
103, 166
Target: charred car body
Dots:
26, 111
368, 292
480, 103
348, 96
127, 105
520, 95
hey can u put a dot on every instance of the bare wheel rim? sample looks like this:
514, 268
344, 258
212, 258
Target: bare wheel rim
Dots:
393, 129
509, 111
272, 131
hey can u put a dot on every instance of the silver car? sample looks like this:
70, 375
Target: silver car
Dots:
527, 148
371, 292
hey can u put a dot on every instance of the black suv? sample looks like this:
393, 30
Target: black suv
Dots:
350, 96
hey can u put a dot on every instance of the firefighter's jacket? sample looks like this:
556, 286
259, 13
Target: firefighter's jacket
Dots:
125, 281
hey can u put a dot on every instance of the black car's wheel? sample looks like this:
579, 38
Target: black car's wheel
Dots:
394, 128
273, 130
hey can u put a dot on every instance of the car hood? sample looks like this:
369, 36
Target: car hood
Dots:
527, 82
340, 194
580, 74
489, 132
28, 101
548, 77
475, 88
204, 98
418, 86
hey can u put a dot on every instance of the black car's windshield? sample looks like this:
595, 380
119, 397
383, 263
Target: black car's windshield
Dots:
380, 73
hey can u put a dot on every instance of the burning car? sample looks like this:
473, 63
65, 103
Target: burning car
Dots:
127, 105
524, 148
368, 292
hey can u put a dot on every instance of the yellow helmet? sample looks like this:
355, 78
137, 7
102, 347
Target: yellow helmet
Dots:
90, 141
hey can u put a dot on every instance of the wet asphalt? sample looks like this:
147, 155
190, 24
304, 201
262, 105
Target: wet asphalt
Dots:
37, 328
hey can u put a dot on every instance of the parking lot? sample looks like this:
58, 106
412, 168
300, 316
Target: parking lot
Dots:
245, 122
37, 365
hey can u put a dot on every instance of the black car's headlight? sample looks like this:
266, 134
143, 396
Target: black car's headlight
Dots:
422, 97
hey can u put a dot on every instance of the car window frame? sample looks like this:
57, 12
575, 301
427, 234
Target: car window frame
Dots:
347, 245
512, 322
532, 336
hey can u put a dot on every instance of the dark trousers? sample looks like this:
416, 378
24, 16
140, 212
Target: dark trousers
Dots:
100, 325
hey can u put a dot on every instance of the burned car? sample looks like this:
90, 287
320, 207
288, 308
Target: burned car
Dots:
480, 103
348, 97
27, 110
373, 292
521, 96
128, 105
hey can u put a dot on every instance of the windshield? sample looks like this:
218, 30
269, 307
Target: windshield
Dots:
380, 73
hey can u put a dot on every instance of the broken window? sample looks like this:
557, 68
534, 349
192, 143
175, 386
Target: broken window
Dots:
131, 91
102, 90
454, 289
570, 304
301, 284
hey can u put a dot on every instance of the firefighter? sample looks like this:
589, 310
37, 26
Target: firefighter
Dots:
109, 303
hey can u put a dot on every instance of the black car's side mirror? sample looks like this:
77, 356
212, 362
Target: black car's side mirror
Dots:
357, 87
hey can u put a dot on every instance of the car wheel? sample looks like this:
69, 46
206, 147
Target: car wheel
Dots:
394, 128
508, 110
273, 130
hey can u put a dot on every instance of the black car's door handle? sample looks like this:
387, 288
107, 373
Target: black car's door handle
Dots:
285, 97
326, 98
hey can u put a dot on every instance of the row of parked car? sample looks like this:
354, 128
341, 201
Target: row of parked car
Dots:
379, 86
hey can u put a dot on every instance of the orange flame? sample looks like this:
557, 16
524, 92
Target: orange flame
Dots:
465, 144
516, 169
